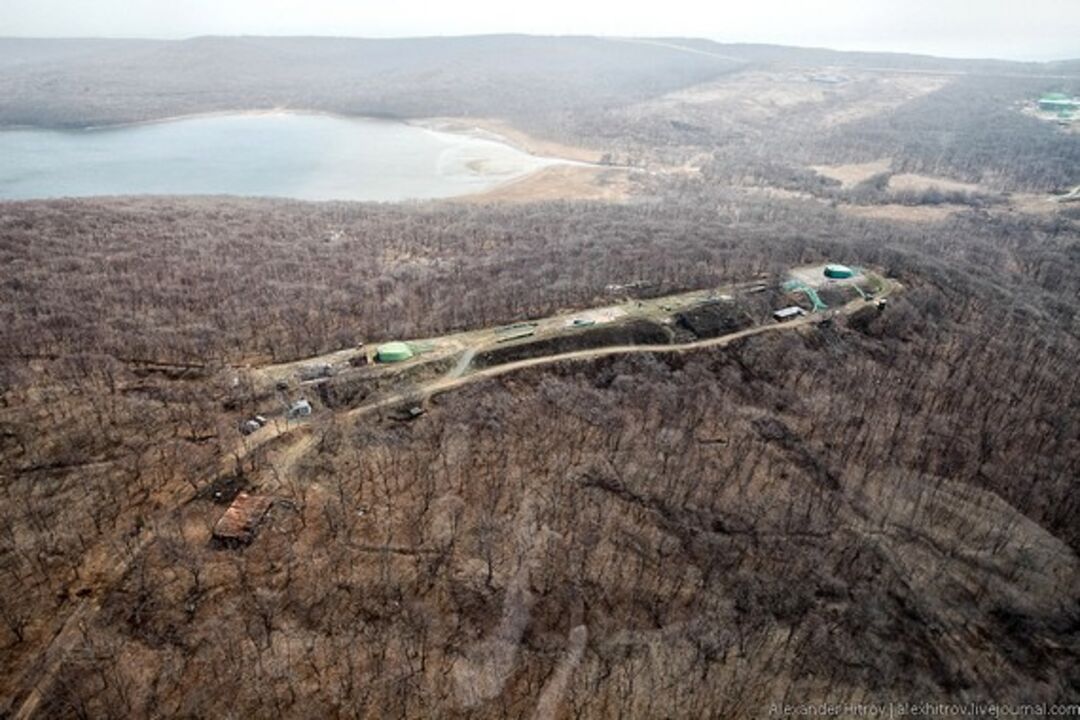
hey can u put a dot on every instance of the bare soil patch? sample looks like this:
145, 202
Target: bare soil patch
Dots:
853, 173
754, 93
561, 182
776, 95
884, 93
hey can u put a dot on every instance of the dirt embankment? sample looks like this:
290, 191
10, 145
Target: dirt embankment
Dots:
715, 319
561, 182
636, 332
352, 388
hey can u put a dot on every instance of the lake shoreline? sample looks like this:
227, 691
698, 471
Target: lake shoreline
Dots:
274, 152
531, 184
481, 128
201, 116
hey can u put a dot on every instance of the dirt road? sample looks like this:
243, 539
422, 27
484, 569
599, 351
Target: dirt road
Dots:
449, 382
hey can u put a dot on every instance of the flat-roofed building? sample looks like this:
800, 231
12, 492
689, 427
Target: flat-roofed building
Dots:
788, 313
241, 521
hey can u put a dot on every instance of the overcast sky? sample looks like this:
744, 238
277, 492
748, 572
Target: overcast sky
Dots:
1014, 29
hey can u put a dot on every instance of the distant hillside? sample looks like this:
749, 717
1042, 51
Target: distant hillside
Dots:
20, 52
748, 111
78, 83
781, 54
75, 83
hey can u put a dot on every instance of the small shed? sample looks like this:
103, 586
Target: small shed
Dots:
242, 519
788, 313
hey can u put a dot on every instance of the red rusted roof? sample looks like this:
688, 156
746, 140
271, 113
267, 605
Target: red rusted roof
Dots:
243, 517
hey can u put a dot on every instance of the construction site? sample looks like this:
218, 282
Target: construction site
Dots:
396, 378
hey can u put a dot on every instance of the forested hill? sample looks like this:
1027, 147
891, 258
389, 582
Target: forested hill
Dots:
75, 83
80, 82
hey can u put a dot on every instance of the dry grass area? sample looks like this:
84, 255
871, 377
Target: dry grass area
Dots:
891, 207
762, 95
1035, 203
918, 183
752, 94
884, 93
905, 213
1020, 203
561, 182
852, 174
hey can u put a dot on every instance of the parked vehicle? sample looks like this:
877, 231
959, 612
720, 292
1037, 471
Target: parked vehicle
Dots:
300, 408
252, 424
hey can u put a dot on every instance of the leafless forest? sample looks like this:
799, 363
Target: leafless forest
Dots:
880, 507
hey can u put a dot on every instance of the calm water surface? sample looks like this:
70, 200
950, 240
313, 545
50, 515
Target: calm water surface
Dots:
309, 157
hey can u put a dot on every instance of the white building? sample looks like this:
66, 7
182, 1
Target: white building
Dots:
788, 313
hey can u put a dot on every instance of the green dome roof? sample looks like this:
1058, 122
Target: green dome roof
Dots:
838, 271
394, 352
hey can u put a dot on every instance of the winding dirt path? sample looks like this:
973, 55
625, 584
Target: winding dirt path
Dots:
451, 381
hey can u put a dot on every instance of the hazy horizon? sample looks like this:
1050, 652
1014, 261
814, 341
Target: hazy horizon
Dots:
804, 46
1045, 30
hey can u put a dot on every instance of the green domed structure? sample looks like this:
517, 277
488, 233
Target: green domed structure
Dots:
394, 352
838, 272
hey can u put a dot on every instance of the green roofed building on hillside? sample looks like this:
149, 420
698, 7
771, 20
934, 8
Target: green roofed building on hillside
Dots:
1058, 102
838, 272
394, 352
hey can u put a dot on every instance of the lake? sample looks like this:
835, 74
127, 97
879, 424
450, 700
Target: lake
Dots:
308, 157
